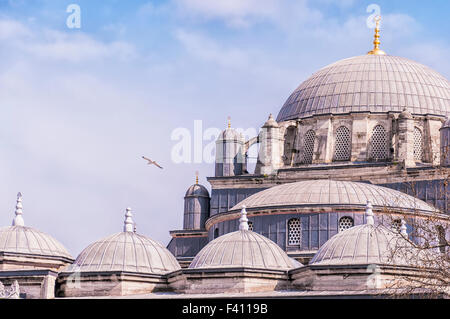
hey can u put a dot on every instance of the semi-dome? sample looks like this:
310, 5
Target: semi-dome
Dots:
126, 251
243, 248
332, 193
370, 83
364, 245
19, 239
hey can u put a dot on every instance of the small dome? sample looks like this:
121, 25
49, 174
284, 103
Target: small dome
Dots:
370, 83
332, 193
27, 240
197, 190
359, 245
230, 134
126, 251
363, 245
243, 248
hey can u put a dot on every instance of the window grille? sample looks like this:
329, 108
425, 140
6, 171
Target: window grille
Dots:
379, 143
294, 232
418, 143
342, 151
397, 225
309, 139
345, 223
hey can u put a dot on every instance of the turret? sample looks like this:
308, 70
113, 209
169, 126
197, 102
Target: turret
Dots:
270, 152
230, 160
196, 207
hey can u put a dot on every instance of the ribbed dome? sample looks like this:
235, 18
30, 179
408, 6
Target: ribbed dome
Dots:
329, 193
197, 190
363, 245
127, 252
243, 248
27, 240
370, 83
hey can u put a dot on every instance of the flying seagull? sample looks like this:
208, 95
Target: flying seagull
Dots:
150, 162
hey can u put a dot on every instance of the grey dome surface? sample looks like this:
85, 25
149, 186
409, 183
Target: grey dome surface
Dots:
446, 123
230, 134
372, 83
243, 248
363, 245
30, 241
127, 252
332, 193
197, 190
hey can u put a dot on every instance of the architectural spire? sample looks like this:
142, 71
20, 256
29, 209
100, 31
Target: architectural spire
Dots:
196, 177
376, 49
129, 223
369, 214
229, 121
18, 220
243, 221
403, 229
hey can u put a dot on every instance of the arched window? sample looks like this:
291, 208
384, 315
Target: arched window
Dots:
216, 233
289, 145
294, 232
379, 143
250, 226
418, 145
441, 238
308, 147
345, 223
343, 144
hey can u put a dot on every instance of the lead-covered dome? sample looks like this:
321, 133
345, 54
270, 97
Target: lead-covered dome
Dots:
364, 245
126, 251
30, 241
197, 190
327, 193
243, 248
374, 83
20, 239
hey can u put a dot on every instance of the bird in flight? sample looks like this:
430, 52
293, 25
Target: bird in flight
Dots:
150, 162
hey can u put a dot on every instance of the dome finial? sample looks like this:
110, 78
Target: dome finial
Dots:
376, 49
243, 221
18, 220
403, 228
129, 223
196, 177
229, 121
369, 214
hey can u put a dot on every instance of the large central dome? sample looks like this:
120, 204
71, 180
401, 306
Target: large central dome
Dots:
374, 83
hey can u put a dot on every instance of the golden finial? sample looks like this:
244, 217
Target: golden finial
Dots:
376, 49
196, 177
229, 121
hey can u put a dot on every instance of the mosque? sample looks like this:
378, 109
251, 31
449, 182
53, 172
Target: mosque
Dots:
358, 154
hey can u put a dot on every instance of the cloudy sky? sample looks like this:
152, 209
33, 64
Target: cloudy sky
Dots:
79, 107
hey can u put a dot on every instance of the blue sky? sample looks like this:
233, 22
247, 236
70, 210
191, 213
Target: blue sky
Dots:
79, 107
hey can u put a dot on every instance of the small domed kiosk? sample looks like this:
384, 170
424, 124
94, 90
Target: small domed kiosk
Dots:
31, 257
241, 261
122, 264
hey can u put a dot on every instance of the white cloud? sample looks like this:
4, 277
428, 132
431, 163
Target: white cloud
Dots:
11, 29
244, 13
209, 50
